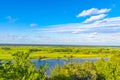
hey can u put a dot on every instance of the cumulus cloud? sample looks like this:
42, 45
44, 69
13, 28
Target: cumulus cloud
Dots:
95, 18
33, 25
93, 11
11, 19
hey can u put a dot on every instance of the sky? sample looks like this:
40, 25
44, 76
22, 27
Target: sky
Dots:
68, 22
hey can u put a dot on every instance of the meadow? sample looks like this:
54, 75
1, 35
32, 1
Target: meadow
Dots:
53, 52
15, 63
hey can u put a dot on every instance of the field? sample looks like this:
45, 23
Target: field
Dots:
50, 52
24, 69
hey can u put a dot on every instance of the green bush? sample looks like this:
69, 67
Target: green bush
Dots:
21, 68
74, 71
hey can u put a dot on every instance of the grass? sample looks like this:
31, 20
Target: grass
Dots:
58, 55
61, 55
53, 52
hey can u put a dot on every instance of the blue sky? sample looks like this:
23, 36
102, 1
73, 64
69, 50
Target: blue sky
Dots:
77, 22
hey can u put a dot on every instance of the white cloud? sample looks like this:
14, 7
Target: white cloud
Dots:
102, 26
101, 31
94, 38
33, 25
93, 11
106, 31
19, 38
95, 18
11, 20
92, 35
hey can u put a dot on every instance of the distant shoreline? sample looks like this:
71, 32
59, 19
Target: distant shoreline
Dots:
58, 45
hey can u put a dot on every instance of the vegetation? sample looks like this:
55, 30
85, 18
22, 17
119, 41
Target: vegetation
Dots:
101, 70
21, 68
46, 52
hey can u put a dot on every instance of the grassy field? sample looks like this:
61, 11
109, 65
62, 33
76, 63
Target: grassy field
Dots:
53, 52
24, 69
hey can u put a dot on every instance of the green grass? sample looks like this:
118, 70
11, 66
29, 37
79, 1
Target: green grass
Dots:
53, 52
57, 55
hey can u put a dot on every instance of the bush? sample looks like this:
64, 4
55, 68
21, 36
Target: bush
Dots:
21, 69
74, 71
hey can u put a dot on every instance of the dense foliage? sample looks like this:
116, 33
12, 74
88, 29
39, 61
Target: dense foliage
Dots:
100, 70
21, 68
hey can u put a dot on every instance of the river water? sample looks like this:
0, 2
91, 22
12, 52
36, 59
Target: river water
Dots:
52, 62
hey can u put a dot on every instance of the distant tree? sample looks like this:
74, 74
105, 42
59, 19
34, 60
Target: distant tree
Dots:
5, 48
